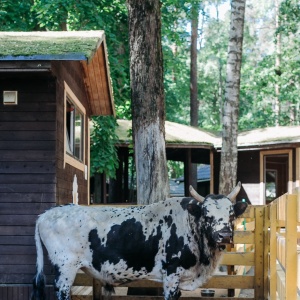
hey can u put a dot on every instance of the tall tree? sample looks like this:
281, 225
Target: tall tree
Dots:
277, 63
147, 96
229, 153
194, 104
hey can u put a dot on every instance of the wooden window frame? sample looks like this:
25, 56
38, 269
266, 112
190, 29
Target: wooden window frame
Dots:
71, 160
289, 153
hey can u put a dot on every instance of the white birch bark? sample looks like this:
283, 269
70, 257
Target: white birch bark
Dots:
229, 153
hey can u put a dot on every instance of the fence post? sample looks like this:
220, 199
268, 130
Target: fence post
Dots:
273, 251
291, 248
259, 253
266, 249
97, 289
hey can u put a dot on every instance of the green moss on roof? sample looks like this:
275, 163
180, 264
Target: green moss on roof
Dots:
54, 45
175, 134
183, 134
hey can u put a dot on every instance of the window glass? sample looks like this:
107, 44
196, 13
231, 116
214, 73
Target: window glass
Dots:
74, 130
78, 135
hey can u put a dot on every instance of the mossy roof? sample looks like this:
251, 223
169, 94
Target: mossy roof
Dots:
269, 136
175, 134
187, 135
49, 45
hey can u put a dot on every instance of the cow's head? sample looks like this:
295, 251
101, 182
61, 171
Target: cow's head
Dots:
215, 215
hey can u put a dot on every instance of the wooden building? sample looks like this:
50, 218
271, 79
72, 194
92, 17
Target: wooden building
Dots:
51, 83
268, 158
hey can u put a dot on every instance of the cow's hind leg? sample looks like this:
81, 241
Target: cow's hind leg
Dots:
64, 278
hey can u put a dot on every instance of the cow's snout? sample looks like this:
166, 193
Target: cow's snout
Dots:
226, 238
223, 237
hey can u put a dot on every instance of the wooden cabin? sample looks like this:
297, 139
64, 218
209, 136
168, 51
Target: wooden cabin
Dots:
51, 83
268, 158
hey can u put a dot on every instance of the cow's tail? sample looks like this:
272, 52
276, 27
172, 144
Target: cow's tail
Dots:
39, 282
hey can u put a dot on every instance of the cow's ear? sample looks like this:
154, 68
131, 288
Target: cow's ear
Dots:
239, 208
194, 210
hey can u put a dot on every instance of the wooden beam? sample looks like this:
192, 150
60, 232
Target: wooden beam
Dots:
187, 171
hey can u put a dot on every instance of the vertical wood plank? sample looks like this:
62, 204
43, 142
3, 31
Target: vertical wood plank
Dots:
273, 251
97, 290
266, 249
187, 171
259, 253
297, 183
291, 249
212, 174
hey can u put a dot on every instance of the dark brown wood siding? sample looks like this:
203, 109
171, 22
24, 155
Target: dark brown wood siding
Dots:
22, 292
27, 170
72, 73
247, 174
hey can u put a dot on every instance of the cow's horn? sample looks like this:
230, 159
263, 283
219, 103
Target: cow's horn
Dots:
235, 191
196, 195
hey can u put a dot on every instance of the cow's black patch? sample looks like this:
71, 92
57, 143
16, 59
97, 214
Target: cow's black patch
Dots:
185, 202
192, 206
126, 241
177, 253
215, 197
168, 220
195, 210
207, 244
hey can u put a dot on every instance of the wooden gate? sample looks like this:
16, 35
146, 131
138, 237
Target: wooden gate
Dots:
282, 247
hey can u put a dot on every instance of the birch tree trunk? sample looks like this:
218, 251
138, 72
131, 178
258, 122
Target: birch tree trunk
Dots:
277, 64
147, 95
229, 153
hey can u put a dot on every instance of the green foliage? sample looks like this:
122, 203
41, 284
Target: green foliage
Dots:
259, 77
104, 158
107, 15
289, 17
175, 169
16, 15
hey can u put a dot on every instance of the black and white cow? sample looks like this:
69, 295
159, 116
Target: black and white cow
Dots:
178, 242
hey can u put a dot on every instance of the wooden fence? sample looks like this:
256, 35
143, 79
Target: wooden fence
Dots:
283, 222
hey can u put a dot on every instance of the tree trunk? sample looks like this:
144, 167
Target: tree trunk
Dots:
193, 76
277, 64
229, 153
148, 107
194, 104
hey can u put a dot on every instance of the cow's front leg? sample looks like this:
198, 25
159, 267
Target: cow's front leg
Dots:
171, 287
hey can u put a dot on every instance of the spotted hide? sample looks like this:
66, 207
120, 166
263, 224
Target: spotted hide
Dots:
177, 242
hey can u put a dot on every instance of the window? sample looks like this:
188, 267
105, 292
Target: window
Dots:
74, 130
